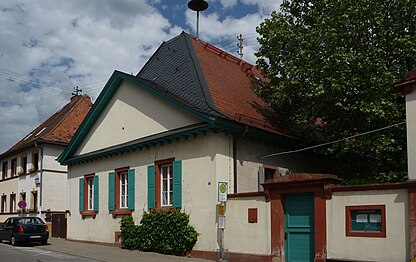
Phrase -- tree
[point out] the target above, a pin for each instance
(331, 65)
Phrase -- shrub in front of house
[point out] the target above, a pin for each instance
(162, 232)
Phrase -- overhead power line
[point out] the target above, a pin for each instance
(333, 142)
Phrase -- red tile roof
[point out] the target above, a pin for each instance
(60, 127)
(229, 82)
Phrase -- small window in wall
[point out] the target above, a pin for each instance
(34, 201)
(123, 181)
(35, 161)
(23, 196)
(121, 191)
(366, 221)
(13, 203)
(166, 177)
(4, 170)
(14, 167)
(3, 203)
(24, 165)
(90, 192)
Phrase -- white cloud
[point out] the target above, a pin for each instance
(68, 43)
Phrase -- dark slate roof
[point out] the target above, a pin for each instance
(211, 81)
(58, 128)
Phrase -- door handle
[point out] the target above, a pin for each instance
(285, 235)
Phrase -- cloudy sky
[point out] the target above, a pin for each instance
(49, 46)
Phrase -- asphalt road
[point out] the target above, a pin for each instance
(61, 250)
(30, 253)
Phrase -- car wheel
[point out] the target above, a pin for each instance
(44, 242)
(13, 240)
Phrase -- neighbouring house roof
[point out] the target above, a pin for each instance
(200, 79)
(57, 129)
(211, 81)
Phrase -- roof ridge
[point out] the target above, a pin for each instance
(65, 115)
(201, 79)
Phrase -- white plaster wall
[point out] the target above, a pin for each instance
(50, 153)
(131, 114)
(8, 187)
(411, 134)
(55, 191)
(27, 184)
(248, 163)
(392, 248)
(205, 161)
(243, 237)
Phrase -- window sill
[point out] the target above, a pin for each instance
(121, 212)
(88, 213)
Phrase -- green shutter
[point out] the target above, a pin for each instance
(96, 203)
(81, 195)
(111, 191)
(130, 189)
(177, 184)
(151, 186)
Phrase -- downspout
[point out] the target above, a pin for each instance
(235, 155)
(40, 177)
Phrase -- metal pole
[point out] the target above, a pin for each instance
(197, 25)
(222, 245)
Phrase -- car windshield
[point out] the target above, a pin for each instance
(30, 220)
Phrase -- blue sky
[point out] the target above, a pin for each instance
(49, 46)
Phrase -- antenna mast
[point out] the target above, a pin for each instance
(198, 6)
(240, 46)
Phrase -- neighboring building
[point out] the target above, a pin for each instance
(29, 171)
(189, 120)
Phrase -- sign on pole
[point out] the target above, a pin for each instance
(222, 191)
(221, 222)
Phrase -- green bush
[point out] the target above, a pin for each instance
(163, 232)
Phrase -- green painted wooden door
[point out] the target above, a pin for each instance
(299, 227)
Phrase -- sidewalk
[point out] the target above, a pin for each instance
(107, 253)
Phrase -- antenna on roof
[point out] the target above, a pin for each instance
(77, 91)
(198, 6)
(240, 46)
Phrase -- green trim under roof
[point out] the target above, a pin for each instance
(103, 99)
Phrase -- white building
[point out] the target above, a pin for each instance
(30, 173)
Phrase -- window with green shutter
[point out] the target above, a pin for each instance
(177, 184)
(131, 189)
(111, 191)
(81, 194)
(151, 201)
(96, 188)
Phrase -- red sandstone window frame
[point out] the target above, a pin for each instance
(87, 211)
(3, 204)
(4, 167)
(350, 233)
(120, 210)
(13, 203)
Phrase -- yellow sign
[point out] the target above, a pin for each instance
(221, 209)
(222, 191)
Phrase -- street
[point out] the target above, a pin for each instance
(30, 253)
(63, 250)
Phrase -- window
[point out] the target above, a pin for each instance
(165, 184)
(121, 191)
(23, 196)
(14, 167)
(90, 192)
(166, 176)
(4, 170)
(3, 203)
(24, 165)
(35, 161)
(88, 195)
(34, 201)
(13, 203)
(366, 221)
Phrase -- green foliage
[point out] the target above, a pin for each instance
(163, 232)
(331, 66)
